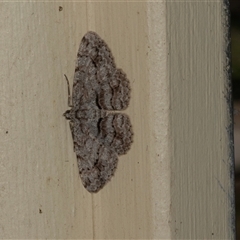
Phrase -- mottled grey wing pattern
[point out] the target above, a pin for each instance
(98, 136)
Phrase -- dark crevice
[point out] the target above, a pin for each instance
(97, 102)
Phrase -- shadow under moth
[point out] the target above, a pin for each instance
(99, 133)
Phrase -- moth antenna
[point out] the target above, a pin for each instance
(69, 93)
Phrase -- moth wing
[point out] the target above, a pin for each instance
(96, 163)
(114, 92)
(85, 79)
(116, 132)
(96, 72)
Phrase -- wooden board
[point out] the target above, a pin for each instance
(202, 193)
(176, 180)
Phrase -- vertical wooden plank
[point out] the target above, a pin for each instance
(159, 103)
(202, 196)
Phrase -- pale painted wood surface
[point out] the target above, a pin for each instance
(202, 194)
(174, 182)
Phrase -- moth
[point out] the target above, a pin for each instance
(100, 132)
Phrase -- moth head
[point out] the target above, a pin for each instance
(67, 114)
